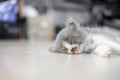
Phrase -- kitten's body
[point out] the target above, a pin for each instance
(102, 44)
(76, 39)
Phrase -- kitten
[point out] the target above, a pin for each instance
(74, 39)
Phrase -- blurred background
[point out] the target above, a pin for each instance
(28, 27)
(43, 19)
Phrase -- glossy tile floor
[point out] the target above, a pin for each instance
(30, 60)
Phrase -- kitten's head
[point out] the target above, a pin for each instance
(72, 34)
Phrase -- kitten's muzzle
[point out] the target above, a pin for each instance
(72, 49)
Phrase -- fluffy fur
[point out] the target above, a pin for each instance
(74, 39)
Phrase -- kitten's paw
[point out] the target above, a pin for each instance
(103, 50)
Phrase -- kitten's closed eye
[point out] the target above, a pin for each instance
(76, 40)
(72, 40)
(68, 40)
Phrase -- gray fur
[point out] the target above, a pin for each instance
(75, 34)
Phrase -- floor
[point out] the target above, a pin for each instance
(30, 60)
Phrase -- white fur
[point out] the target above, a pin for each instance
(69, 47)
(103, 50)
(104, 45)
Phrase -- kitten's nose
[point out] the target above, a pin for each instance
(74, 49)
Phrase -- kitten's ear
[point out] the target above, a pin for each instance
(71, 23)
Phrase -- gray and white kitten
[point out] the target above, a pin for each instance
(74, 39)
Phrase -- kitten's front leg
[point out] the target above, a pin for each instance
(103, 50)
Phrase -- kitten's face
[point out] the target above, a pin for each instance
(70, 36)
(73, 36)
